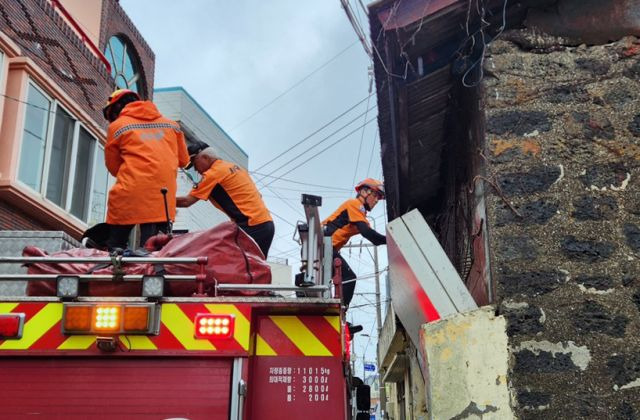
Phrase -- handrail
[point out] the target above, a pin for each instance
(119, 259)
(96, 277)
(269, 287)
(83, 35)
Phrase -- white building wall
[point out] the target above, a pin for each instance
(175, 103)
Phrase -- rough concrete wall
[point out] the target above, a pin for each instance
(563, 139)
(415, 385)
(467, 361)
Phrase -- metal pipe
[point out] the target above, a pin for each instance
(143, 260)
(267, 287)
(96, 277)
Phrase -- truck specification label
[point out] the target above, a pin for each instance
(313, 382)
(301, 385)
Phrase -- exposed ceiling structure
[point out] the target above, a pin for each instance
(425, 53)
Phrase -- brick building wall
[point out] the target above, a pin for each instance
(118, 23)
(52, 44)
(10, 219)
(563, 140)
(46, 38)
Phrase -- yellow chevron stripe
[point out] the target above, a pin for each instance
(5, 308)
(137, 342)
(77, 342)
(263, 348)
(334, 321)
(36, 327)
(242, 325)
(300, 335)
(182, 328)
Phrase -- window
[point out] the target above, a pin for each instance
(61, 148)
(82, 178)
(123, 70)
(99, 190)
(61, 160)
(34, 138)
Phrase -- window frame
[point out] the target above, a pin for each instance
(99, 149)
(46, 164)
(43, 174)
(118, 70)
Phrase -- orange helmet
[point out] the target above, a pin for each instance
(115, 97)
(373, 185)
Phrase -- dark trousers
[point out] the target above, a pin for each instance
(349, 277)
(119, 234)
(262, 234)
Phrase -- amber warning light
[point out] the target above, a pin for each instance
(110, 319)
(214, 326)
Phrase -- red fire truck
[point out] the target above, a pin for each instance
(199, 357)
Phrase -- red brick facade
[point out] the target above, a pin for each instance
(116, 22)
(45, 37)
(54, 46)
(10, 219)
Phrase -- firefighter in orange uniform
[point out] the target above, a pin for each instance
(351, 219)
(143, 152)
(231, 190)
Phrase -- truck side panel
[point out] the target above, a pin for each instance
(101, 388)
(297, 371)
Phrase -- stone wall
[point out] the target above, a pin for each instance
(563, 151)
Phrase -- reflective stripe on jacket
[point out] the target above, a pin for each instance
(143, 152)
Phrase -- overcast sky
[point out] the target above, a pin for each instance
(236, 57)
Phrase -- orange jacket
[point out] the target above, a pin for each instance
(345, 218)
(231, 189)
(143, 152)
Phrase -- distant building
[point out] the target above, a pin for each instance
(59, 60)
(176, 103)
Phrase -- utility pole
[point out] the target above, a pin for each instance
(381, 388)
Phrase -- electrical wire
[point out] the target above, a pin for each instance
(316, 144)
(355, 24)
(324, 150)
(368, 304)
(298, 83)
(373, 146)
(300, 183)
(316, 131)
(50, 111)
(355, 172)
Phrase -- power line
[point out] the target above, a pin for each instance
(317, 144)
(282, 218)
(326, 63)
(318, 130)
(325, 149)
(50, 111)
(317, 191)
(300, 183)
(360, 147)
(373, 146)
(356, 26)
(297, 211)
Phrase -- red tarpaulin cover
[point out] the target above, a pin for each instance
(233, 258)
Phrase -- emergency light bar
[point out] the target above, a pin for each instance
(214, 326)
(134, 318)
(11, 326)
